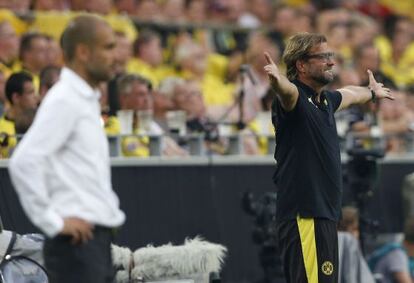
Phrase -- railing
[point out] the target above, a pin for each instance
(194, 143)
(196, 146)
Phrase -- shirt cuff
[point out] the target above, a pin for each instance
(52, 224)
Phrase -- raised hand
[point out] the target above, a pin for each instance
(286, 92)
(271, 69)
(378, 88)
(78, 229)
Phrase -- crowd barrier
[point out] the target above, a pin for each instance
(169, 199)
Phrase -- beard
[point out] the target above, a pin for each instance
(324, 78)
(100, 74)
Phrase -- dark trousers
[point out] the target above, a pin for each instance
(309, 250)
(82, 263)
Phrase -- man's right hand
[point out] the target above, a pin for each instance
(80, 230)
(271, 69)
(286, 91)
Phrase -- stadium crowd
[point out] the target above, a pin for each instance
(203, 59)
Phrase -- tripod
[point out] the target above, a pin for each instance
(362, 174)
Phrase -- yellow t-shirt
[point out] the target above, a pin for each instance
(296, 3)
(121, 23)
(19, 25)
(132, 146)
(155, 75)
(401, 72)
(216, 92)
(262, 140)
(53, 23)
(111, 125)
(6, 70)
(8, 139)
(400, 7)
(217, 65)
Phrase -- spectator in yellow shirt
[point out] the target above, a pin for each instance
(123, 52)
(192, 60)
(9, 48)
(33, 55)
(397, 51)
(147, 58)
(134, 93)
(2, 93)
(20, 93)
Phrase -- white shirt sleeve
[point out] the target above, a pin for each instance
(51, 128)
(397, 261)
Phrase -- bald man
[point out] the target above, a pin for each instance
(61, 168)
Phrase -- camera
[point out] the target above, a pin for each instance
(263, 209)
(362, 167)
(363, 145)
(362, 176)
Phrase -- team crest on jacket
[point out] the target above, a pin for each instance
(327, 268)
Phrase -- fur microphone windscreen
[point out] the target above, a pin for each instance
(195, 257)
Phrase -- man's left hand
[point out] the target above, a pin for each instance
(378, 88)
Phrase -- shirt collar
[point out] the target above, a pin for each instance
(79, 84)
(310, 92)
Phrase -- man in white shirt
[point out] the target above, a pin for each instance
(61, 168)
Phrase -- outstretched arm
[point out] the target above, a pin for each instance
(287, 93)
(359, 95)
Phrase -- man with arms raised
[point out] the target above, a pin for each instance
(308, 174)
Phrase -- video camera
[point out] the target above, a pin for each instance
(362, 172)
(363, 145)
(263, 208)
(362, 167)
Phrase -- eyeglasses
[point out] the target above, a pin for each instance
(326, 56)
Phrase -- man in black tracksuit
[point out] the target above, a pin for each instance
(308, 175)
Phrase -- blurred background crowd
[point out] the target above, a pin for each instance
(195, 67)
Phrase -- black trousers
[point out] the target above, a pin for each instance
(82, 263)
(309, 250)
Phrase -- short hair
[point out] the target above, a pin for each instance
(145, 36)
(167, 86)
(297, 48)
(360, 49)
(350, 217)
(15, 84)
(124, 82)
(26, 42)
(81, 30)
(390, 24)
(46, 76)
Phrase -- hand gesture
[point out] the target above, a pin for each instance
(378, 88)
(271, 69)
(78, 229)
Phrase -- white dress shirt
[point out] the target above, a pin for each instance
(61, 168)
